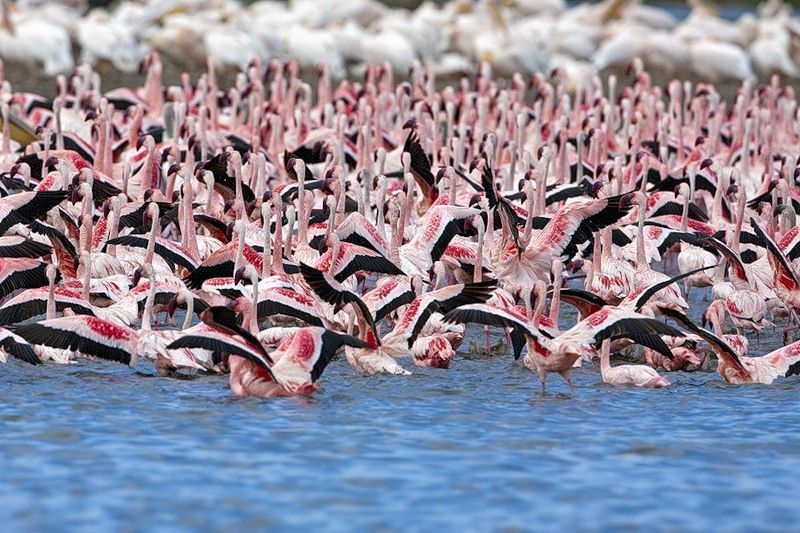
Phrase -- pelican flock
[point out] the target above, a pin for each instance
(512, 35)
(296, 221)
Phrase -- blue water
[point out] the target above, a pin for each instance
(100, 446)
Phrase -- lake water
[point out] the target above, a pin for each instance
(101, 446)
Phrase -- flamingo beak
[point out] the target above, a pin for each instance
(410, 123)
(238, 276)
(172, 306)
(577, 265)
(137, 276)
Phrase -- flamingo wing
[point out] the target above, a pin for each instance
(333, 293)
(638, 299)
(33, 302)
(217, 265)
(21, 247)
(287, 302)
(721, 347)
(357, 229)
(331, 342)
(620, 323)
(357, 258)
(492, 316)
(21, 273)
(441, 301)
(172, 252)
(574, 224)
(733, 258)
(387, 297)
(784, 273)
(440, 224)
(88, 335)
(420, 165)
(24, 207)
(225, 320)
(584, 301)
(212, 339)
(18, 347)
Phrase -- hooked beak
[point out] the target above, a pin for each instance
(172, 306)
(137, 276)
(238, 276)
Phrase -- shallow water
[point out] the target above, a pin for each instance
(100, 446)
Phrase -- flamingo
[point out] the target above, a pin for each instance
(628, 375)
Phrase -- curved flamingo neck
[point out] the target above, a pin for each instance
(605, 361)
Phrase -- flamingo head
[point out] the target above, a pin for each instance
(239, 305)
(151, 214)
(51, 163)
(594, 188)
(410, 124)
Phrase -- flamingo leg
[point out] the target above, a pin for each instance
(567, 375)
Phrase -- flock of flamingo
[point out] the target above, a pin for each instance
(451, 36)
(377, 218)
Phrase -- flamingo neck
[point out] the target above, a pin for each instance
(380, 219)
(302, 218)
(555, 303)
(291, 215)
(477, 274)
(151, 241)
(737, 234)
(253, 318)
(148, 305)
(87, 278)
(277, 245)
(237, 263)
(605, 362)
(685, 214)
(541, 300)
(641, 261)
(588, 268)
(51, 300)
(266, 267)
(187, 320)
